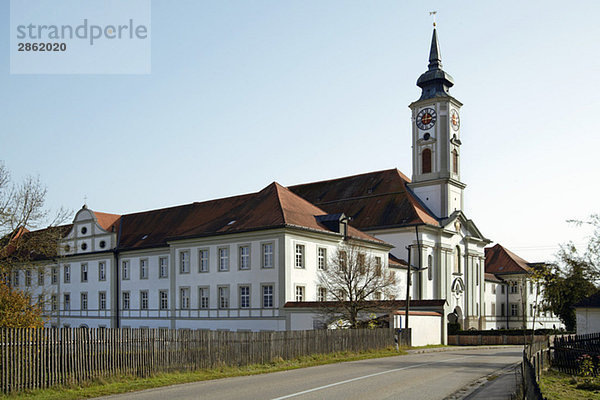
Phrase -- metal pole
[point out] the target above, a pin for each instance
(407, 310)
(419, 264)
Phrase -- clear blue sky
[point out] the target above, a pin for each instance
(243, 93)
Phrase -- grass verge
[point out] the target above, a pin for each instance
(560, 386)
(125, 384)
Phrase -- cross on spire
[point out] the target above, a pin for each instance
(432, 13)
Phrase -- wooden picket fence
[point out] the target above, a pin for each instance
(42, 358)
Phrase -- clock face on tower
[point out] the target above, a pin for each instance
(426, 118)
(454, 119)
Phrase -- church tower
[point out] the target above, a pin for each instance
(436, 139)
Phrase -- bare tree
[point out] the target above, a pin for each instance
(354, 282)
(22, 244)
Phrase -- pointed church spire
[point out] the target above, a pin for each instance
(435, 82)
(435, 59)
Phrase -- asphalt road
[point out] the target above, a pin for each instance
(428, 376)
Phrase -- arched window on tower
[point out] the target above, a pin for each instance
(426, 161)
(457, 266)
(455, 161)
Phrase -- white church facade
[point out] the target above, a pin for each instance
(250, 262)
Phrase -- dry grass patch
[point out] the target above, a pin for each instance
(560, 386)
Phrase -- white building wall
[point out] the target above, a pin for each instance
(588, 320)
(282, 276)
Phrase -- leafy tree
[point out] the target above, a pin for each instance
(352, 281)
(575, 277)
(21, 211)
(16, 310)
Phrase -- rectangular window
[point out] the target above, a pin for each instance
(299, 293)
(360, 261)
(224, 259)
(126, 301)
(16, 278)
(84, 272)
(493, 309)
(102, 300)
(244, 296)
(321, 294)
(164, 299)
(184, 262)
(502, 289)
(203, 297)
(342, 260)
(144, 299)
(67, 301)
(299, 256)
(493, 288)
(514, 287)
(378, 266)
(514, 310)
(321, 258)
(101, 271)
(203, 260)
(84, 301)
(531, 310)
(267, 259)
(54, 302)
(67, 273)
(377, 296)
(125, 270)
(531, 287)
(267, 296)
(223, 296)
(502, 310)
(54, 275)
(40, 278)
(184, 298)
(163, 267)
(244, 253)
(28, 278)
(144, 269)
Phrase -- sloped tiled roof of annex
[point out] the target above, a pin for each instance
(274, 206)
(374, 200)
(499, 260)
(592, 301)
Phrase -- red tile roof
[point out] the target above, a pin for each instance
(396, 262)
(491, 277)
(500, 260)
(274, 206)
(374, 200)
(106, 220)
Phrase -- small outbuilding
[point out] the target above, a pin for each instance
(587, 312)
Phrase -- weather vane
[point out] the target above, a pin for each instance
(433, 13)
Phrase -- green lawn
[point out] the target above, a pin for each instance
(126, 384)
(559, 386)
